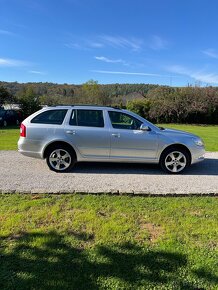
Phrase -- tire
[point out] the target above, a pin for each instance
(60, 158)
(175, 160)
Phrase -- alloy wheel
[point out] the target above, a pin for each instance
(175, 161)
(60, 159)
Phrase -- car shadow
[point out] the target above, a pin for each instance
(208, 167)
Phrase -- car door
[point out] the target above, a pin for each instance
(14, 117)
(9, 117)
(88, 131)
(128, 141)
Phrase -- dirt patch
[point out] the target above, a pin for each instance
(197, 213)
(151, 231)
(37, 196)
(155, 231)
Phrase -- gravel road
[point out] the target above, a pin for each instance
(27, 175)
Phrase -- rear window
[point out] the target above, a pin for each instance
(54, 117)
(87, 118)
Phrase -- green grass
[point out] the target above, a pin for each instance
(208, 133)
(108, 242)
(9, 137)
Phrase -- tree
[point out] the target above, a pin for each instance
(29, 101)
(49, 100)
(91, 92)
(5, 97)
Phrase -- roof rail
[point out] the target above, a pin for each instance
(82, 105)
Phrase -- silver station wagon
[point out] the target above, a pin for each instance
(64, 135)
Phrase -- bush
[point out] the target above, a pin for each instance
(140, 107)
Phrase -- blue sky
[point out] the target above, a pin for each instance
(171, 42)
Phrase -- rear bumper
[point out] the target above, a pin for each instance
(28, 149)
(30, 154)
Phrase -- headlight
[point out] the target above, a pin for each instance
(199, 142)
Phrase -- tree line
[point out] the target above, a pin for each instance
(191, 104)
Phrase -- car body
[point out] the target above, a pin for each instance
(9, 117)
(104, 134)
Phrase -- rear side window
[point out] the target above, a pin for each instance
(87, 118)
(55, 117)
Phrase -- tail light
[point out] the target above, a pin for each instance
(22, 130)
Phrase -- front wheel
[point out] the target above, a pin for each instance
(174, 160)
(60, 159)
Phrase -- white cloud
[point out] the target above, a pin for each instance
(104, 41)
(8, 62)
(130, 73)
(211, 52)
(116, 41)
(74, 45)
(158, 43)
(37, 72)
(109, 60)
(122, 42)
(210, 78)
(6, 32)
(96, 44)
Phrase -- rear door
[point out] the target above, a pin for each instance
(88, 131)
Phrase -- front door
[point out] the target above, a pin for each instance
(128, 141)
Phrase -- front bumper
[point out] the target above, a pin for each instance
(198, 154)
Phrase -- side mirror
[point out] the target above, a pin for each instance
(143, 127)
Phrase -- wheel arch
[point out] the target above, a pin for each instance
(57, 142)
(177, 146)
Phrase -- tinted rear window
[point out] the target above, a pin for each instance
(55, 117)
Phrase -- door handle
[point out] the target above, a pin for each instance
(72, 132)
(117, 135)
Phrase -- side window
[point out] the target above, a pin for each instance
(124, 121)
(55, 117)
(87, 118)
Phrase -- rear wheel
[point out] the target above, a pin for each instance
(60, 158)
(174, 160)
